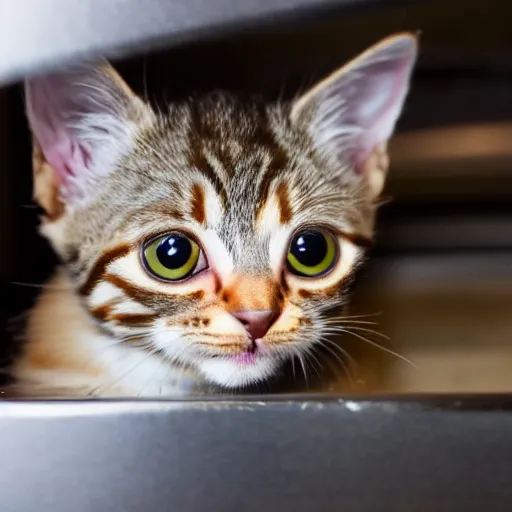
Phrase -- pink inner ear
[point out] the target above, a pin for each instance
(379, 124)
(74, 116)
(49, 114)
(67, 157)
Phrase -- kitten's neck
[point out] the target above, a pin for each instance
(66, 354)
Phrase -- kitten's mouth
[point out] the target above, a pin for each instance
(249, 356)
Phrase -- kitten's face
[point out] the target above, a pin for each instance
(217, 234)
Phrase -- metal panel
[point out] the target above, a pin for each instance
(414, 454)
(36, 34)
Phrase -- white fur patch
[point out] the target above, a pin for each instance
(218, 256)
(232, 374)
(213, 205)
(104, 292)
(278, 249)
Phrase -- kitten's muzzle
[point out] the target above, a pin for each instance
(256, 322)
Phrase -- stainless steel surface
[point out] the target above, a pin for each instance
(35, 35)
(418, 454)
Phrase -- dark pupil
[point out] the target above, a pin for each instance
(309, 248)
(174, 251)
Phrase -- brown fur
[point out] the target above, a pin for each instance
(98, 271)
(198, 206)
(285, 209)
(46, 190)
(241, 296)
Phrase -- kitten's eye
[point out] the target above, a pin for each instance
(173, 257)
(312, 253)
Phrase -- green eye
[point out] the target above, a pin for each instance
(172, 257)
(312, 254)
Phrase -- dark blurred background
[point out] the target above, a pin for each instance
(440, 276)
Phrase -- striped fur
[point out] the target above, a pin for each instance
(239, 177)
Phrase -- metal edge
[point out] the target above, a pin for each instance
(54, 32)
(481, 402)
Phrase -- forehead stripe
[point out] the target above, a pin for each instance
(198, 204)
(279, 160)
(283, 200)
(199, 132)
(198, 161)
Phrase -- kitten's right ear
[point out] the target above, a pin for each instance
(352, 114)
(83, 121)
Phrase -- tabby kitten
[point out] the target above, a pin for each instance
(203, 245)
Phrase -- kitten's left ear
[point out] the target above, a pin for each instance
(353, 112)
(83, 120)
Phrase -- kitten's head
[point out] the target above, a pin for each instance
(217, 233)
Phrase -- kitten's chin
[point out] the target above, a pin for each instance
(237, 372)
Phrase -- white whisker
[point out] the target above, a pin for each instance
(346, 368)
(293, 370)
(377, 345)
(310, 354)
(102, 387)
(356, 328)
(153, 375)
(350, 322)
(40, 286)
(303, 365)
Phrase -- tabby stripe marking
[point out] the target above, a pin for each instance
(325, 292)
(198, 133)
(100, 267)
(133, 291)
(283, 201)
(198, 161)
(146, 297)
(102, 313)
(134, 319)
(279, 161)
(198, 204)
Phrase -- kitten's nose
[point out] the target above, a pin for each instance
(257, 322)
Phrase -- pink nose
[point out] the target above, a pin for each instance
(256, 323)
